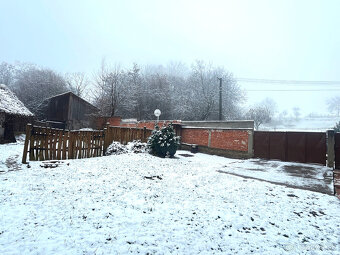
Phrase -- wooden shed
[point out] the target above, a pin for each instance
(68, 111)
(13, 115)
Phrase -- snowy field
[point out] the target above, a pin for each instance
(320, 124)
(137, 203)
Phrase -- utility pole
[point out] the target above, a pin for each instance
(220, 110)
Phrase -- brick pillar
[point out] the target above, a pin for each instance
(251, 143)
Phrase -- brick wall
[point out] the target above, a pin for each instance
(227, 139)
(100, 122)
(195, 136)
(236, 140)
(149, 124)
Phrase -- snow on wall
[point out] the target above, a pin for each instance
(10, 104)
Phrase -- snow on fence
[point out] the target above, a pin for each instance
(44, 143)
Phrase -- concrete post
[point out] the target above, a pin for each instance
(330, 148)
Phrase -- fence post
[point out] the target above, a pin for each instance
(27, 139)
(70, 145)
(106, 137)
(330, 148)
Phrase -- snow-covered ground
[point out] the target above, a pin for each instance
(307, 176)
(138, 203)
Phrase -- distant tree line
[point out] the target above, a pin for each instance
(33, 84)
(178, 91)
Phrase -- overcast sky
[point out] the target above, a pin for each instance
(286, 40)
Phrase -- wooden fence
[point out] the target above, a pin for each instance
(125, 135)
(44, 143)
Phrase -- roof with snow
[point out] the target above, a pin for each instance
(10, 103)
(70, 93)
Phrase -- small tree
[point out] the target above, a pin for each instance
(334, 105)
(296, 112)
(163, 142)
(260, 115)
(337, 127)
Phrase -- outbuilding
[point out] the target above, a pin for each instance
(13, 115)
(68, 111)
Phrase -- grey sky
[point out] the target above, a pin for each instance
(290, 40)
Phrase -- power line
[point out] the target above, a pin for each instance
(298, 90)
(253, 80)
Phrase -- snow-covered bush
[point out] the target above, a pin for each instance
(116, 148)
(137, 146)
(163, 142)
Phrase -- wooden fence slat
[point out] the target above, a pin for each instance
(60, 138)
(70, 145)
(27, 141)
(65, 139)
(88, 144)
(32, 140)
(44, 143)
(38, 151)
(49, 146)
(55, 136)
(102, 144)
(91, 146)
(77, 146)
(84, 150)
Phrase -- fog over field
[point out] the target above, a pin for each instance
(283, 50)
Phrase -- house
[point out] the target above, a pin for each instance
(67, 111)
(13, 115)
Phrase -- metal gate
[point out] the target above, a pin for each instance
(337, 150)
(304, 147)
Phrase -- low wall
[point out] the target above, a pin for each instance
(149, 124)
(226, 142)
(221, 124)
(226, 138)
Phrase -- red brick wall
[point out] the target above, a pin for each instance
(226, 139)
(195, 136)
(101, 121)
(236, 140)
(149, 124)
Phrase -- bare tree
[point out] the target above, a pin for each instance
(157, 92)
(176, 90)
(7, 73)
(109, 92)
(203, 91)
(334, 105)
(78, 83)
(260, 115)
(33, 85)
(296, 112)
